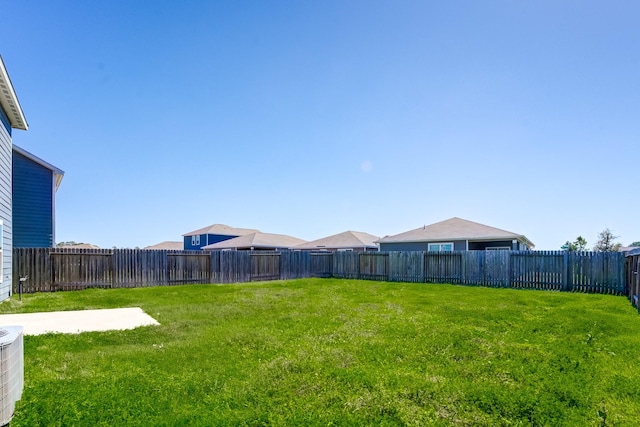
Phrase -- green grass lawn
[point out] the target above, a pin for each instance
(337, 352)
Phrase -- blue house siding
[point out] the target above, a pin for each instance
(33, 204)
(189, 247)
(205, 239)
(5, 211)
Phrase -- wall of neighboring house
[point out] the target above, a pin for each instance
(480, 246)
(33, 204)
(523, 247)
(204, 240)
(358, 249)
(5, 205)
(458, 245)
(327, 250)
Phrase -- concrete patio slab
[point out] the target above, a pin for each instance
(74, 322)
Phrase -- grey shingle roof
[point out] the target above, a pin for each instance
(257, 240)
(345, 240)
(454, 229)
(223, 230)
(173, 246)
(79, 246)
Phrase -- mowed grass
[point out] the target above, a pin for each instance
(337, 352)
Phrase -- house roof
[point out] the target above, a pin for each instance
(454, 229)
(257, 240)
(167, 245)
(345, 240)
(79, 246)
(58, 173)
(628, 248)
(222, 230)
(9, 100)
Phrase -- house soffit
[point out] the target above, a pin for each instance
(9, 101)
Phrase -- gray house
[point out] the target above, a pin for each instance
(455, 234)
(11, 117)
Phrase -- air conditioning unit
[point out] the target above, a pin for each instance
(11, 370)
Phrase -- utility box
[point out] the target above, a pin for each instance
(11, 370)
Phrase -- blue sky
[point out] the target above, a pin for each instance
(310, 118)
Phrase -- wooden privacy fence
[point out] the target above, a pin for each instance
(52, 269)
(596, 272)
(632, 273)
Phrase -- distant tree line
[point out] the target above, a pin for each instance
(69, 243)
(606, 243)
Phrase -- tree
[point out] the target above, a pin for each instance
(606, 242)
(580, 244)
(635, 243)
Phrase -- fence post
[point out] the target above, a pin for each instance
(508, 268)
(52, 287)
(211, 266)
(167, 274)
(636, 259)
(113, 258)
(463, 269)
(565, 272)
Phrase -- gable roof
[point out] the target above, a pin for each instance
(167, 245)
(78, 246)
(257, 240)
(9, 100)
(455, 229)
(222, 230)
(628, 248)
(58, 173)
(344, 240)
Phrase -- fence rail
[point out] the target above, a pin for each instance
(52, 269)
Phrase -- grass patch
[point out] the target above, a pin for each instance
(337, 352)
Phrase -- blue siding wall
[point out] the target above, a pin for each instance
(5, 211)
(189, 247)
(205, 239)
(215, 238)
(33, 204)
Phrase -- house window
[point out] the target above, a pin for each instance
(195, 240)
(499, 248)
(440, 247)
